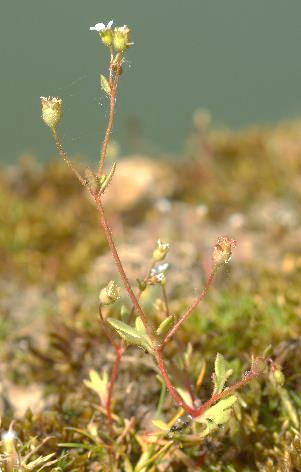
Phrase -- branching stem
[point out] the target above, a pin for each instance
(189, 310)
(126, 283)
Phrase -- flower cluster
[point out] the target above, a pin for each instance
(117, 37)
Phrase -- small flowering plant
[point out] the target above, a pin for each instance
(134, 326)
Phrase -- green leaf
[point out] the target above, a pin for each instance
(165, 325)
(76, 445)
(161, 425)
(107, 179)
(105, 84)
(139, 325)
(98, 384)
(127, 465)
(130, 334)
(216, 415)
(124, 313)
(221, 374)
(289, 407)
(141, 285)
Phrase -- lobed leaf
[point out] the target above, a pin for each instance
(98, 384)
(216, 415)
(221, 373)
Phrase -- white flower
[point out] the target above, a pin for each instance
(123, 29)
(101, 26)
(8, 436)
(159, 269)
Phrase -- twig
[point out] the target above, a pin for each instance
(65, 157)
(126, 283)
(113, 81)
(188, 311)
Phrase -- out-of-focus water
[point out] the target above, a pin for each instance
(239, 59)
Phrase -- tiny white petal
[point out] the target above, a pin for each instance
(8, 435)
(98, 27)
(109, 24)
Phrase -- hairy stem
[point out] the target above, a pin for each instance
(178, 399)
(113, 80)
(225, 393)
(65, 157)
(165, 300)
(126, 283)
(189, 310)
(107, 330)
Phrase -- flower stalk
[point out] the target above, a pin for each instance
(117, 42)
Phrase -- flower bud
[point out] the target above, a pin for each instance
(161, 250)
(121, 38)
(109, 294)
(105, 32)
(107, 37)
(279, 377)
(51, 111)
(222, 251)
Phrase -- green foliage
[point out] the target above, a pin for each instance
(221, 374)
(98, 384)
(105, 84)
(216, 415)
(131, 335)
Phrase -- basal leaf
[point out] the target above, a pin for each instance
(99, 384)
(216, 415)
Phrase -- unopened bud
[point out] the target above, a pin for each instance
(222, 251)
(121, 38)
(109, 294)
(279, 377)
(51, 111)
(161, 250)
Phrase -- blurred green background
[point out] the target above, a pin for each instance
(239, 59)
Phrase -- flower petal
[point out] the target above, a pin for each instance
(98, 27)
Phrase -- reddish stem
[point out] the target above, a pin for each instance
(113, 85)
(189, 310)
(225, 393)
(178, 399)
(126, 283)
(65, 157)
